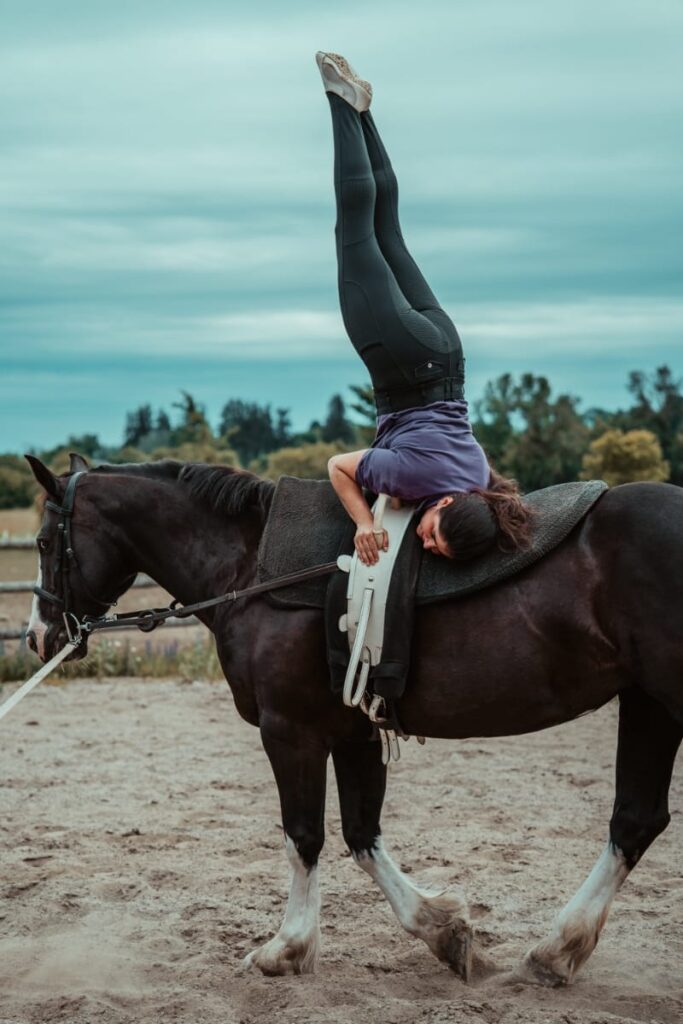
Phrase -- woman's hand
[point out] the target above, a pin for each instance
(369, 543)
(342, 469)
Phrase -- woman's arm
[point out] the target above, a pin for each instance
(342, 470)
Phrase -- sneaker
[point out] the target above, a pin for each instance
(339, 77)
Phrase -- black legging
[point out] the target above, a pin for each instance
(408, 343)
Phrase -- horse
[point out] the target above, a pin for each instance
(597, 617)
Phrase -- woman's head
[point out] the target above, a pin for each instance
(464, 526)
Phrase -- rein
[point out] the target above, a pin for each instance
(149, 619)
(145, 619)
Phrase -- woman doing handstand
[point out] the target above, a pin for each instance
(424, 450)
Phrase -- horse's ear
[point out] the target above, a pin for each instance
(77, 463)
(43, 475)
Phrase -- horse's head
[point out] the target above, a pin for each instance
(81, 567)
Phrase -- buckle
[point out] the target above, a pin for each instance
(74, 630)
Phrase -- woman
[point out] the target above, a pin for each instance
(424, 451)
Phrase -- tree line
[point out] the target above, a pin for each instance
(527, 433)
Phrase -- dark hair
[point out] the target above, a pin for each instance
(475, 521)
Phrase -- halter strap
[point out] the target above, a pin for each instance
(66, 558)
(65, 551)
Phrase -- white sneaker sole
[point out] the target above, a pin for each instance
(339, 77)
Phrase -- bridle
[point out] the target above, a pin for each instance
(66, 563)
(148, 619)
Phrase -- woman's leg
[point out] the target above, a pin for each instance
(401, 347)
(387, 226)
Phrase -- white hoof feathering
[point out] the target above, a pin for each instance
(556, 960)
(440, 921)
(295, 948)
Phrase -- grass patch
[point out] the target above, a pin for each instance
(110, 658)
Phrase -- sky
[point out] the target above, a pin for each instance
(167, 212)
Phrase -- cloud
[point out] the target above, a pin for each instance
(166, 179)
(506, 334)
(580, 330)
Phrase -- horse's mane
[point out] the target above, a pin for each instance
(223, 488)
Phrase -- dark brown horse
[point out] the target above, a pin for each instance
(599, 616)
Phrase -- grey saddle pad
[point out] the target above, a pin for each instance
(307, 525)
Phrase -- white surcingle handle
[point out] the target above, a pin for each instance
(378, 517)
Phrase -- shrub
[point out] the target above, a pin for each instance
(309, 461)
(620, 457)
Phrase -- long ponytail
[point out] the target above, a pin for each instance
(477, 520)
(514, 518)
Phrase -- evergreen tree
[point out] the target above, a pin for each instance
(248, 428)
(659, 409)
(550, 447)
(194, 427)
(336, 427)
(493, 416)
(163, 423)
(160, 436)
(138, 424)
(85, 444)
(365, 404)
(550, 439)
(283, 428)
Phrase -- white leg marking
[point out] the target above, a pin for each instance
(441, 921)
(295, 948)
(578, 926)
(405, 898)
(35, 623)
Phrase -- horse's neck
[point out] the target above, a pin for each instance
(190, 550)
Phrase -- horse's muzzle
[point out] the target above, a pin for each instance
(55, 638)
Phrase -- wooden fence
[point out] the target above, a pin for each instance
(26, 587)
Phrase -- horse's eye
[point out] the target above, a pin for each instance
(42, 544)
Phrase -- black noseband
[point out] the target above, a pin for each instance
(45, 595)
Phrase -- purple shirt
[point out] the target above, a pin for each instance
(422, 454)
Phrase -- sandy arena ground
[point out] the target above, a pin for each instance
(143, 858)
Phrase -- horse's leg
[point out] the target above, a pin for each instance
(440, 921)
(649, 738)
(299, 765)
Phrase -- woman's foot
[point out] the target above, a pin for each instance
(339, 77)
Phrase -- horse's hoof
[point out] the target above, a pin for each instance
(461, 953)
(441, 922)
(536, 969)
(284, 956)
(454, 946)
